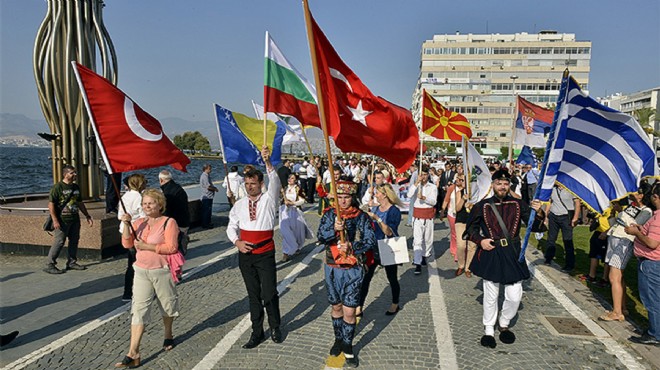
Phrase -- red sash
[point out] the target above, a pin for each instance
(424, 213)
(263, 239)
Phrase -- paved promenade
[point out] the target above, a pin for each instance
(77, 320)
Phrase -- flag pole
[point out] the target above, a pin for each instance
(309, 147)
(468, 170)
(324, 125)
(548, 147)
(513, 118)
(222, 149)
(99, 143)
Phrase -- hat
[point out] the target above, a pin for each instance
(305, 163)
(501, 175)
(346, 187)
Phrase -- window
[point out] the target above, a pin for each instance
(502, 134)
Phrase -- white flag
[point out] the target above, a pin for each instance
(293, 128)
(478, 176)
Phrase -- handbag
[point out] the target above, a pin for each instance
(48, 225)
(393, 251)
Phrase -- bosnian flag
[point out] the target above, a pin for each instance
(286, 91)
(241, 137)
(129, 138)
(532, 124)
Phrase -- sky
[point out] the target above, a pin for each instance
(177, 58)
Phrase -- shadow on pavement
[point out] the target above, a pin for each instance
(87, 288)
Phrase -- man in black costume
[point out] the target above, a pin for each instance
(494, 225)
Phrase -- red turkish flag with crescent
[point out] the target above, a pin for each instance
(358, 120)
(129, 138)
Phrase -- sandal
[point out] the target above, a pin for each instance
(611, 316)
(128, 362)
(168, 344)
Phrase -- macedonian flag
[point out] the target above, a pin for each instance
(442, 123)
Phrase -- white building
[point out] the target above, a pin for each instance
(478, 76)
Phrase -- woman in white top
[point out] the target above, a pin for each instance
(132, 200)
(293, 227)
(620, 249)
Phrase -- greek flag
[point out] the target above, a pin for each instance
(598, 153)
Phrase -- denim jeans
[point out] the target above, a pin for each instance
(70, 231)
(207, 208)
(648, 281)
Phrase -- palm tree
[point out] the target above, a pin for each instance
(643, 116)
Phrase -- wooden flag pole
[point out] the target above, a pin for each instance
(309, 147)
(324, 125)
(121, 202)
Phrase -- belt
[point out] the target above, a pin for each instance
(260, 244)
(505, 243)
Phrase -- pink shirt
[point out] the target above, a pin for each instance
(165, 240)
(651, 229)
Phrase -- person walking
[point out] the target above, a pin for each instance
(177, 205)
(156, 241)
(423, 195)
(293, 228)
(564, 214)
(208, 192)
(386, 217)
(250, 229)
(494, 226)
(465, 249)
(343, 273)
(132, 205)
(64, 203)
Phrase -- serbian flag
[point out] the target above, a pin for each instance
(358, 120)
(286, 91)
(532, 124)
(129, 138)
(442, 123)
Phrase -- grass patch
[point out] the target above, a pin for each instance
(581, 236)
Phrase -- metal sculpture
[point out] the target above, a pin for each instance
(72, 30)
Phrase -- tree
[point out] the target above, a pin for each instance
(643, 116)
(192, 141)
(504, 152)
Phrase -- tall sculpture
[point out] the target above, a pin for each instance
(72, 30)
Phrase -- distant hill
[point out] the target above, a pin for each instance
(12, 125)
(20, 125)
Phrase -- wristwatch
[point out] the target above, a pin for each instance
(379, 220)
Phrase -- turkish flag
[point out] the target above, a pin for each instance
(129, 138)
(358, 120)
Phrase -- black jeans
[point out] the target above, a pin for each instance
(392, 278)
(130, 274)
(260, 278)
(563, 223)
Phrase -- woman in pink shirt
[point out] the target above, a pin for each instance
(156, 239)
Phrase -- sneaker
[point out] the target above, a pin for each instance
(645, 339)
(51, 269)
(75, 266)
(418, 269)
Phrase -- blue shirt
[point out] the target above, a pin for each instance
(392, 218)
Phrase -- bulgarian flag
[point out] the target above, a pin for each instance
(286, 91)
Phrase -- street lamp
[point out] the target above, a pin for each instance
(513, 115)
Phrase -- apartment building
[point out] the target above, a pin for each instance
(479, 76)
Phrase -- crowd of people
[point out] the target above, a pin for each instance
(484, 238)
